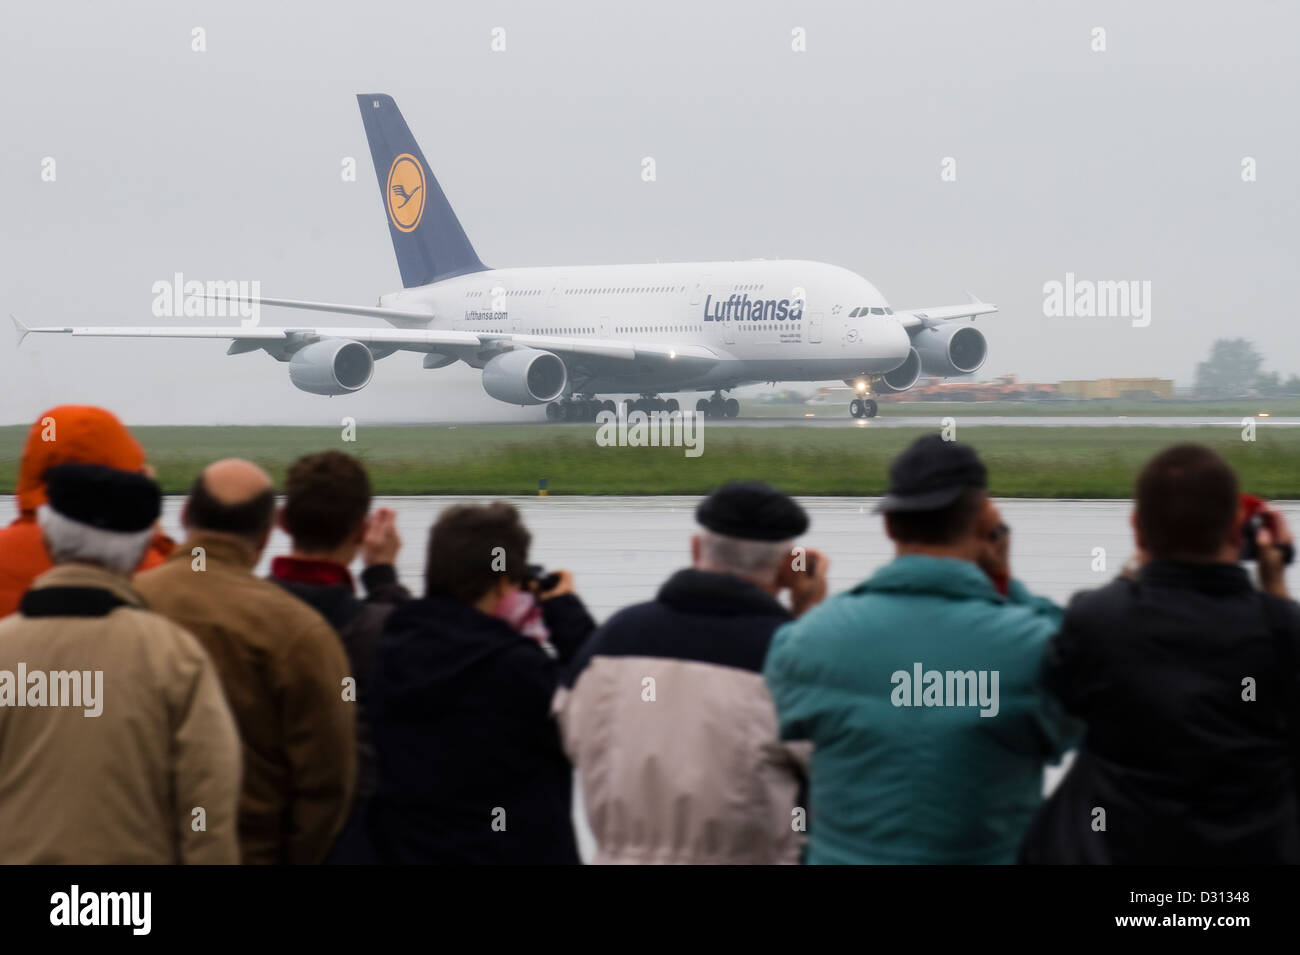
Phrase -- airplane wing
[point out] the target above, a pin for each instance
(458, 343)
(912, 318)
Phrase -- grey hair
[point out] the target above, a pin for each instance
(70, 541)
(753, 560)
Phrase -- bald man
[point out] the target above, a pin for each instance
(282, 667)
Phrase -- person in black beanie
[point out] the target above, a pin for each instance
(665, 713)
(122, 728)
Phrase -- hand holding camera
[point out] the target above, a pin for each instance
(1267, 541)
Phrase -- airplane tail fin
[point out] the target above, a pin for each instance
(427, 237)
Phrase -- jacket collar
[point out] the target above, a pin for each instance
(218, 548)
(701, 591)
(89, 577)
(1209, 578)
(306, 570)
(922, 574)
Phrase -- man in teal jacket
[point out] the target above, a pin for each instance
(919, 688)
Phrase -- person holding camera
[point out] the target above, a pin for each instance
(919, 688)
(1186, 677)
(470, 765)
(665, 713)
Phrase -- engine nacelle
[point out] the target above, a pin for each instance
(331, 367)
(950, 349)
(903, 377)
(525, 376)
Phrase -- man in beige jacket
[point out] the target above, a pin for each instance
(116, 744)
(281, 664)
(665, 714)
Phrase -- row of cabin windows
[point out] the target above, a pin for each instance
(563, 331)
(864, 310)
(622, 291)
(624, 329)
(752, 287)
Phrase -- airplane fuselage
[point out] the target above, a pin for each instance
(766, 320)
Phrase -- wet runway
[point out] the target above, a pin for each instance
(835, 418)
(621, 549)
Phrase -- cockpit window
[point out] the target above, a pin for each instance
(888, 310)
(877, 311)
(855, 313)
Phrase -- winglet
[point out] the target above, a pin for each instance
(21, 329)
(974, 299)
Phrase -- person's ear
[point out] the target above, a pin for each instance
(1137, 529)
(1237, 535)
(279, 520)
(987, 519)
(695, 550)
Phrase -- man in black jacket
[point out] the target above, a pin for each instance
(327, 514)
(1186, 678)
(470, 764)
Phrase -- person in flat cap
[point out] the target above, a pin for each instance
(919, 688)
(114, 722)
(664, 712)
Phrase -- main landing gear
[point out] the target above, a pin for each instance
(651, 403)
(578, 408)
(718, 407)
(586, 407)
(863, 407)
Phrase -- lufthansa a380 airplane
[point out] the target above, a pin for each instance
(560, 336)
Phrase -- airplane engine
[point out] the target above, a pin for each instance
(951, 349)
(902, 377)
(525, 376)
(331, 367)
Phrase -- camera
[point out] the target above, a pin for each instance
(1256, 521)
(537, 578)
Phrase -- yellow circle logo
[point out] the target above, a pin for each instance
(405, 192)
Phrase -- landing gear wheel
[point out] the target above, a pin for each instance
(731, 407)
(608, 405)
(856, 409)
(672, 406)
(554, 411)
(869, 407)
(702, 407)
(717, 407)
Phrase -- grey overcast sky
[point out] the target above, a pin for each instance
(225, 164)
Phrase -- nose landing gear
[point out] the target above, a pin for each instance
(863, 407)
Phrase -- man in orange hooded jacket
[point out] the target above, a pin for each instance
(68, 434)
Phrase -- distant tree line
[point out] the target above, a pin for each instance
(1234, 370)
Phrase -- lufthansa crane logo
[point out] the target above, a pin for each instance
(405, 192)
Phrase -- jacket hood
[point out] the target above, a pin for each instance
(433, 643)
(920, 574)
(73, 434)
